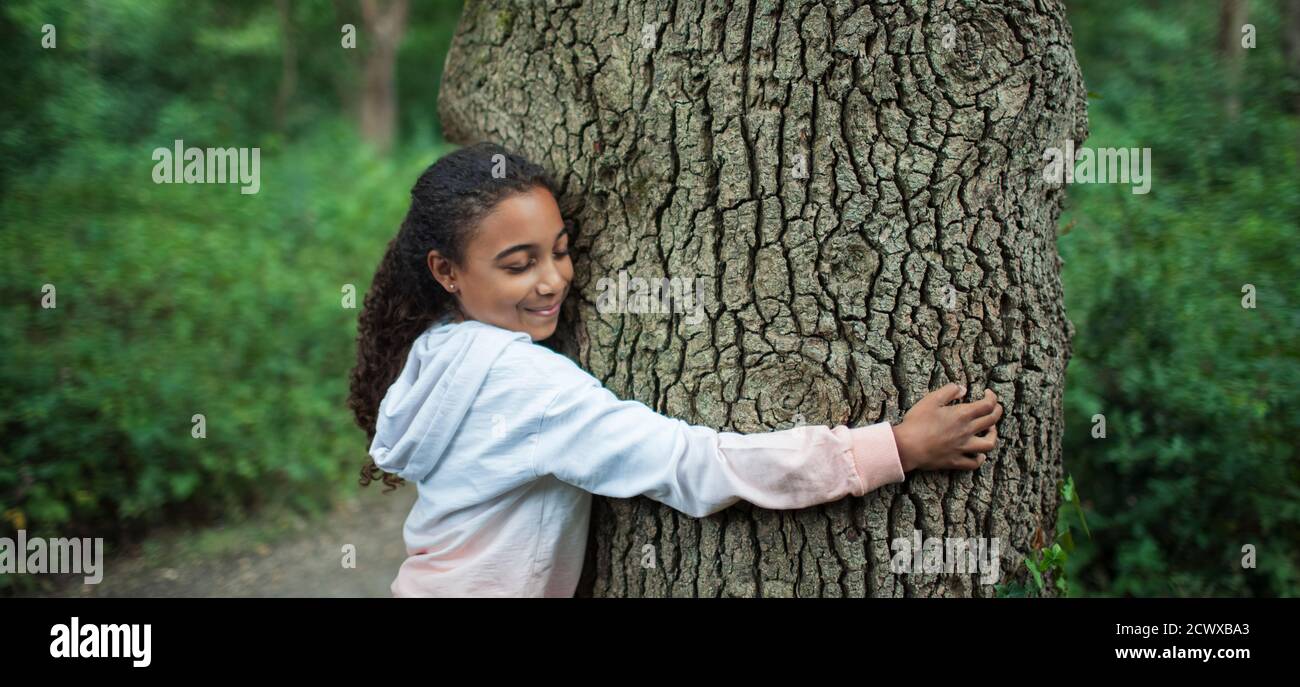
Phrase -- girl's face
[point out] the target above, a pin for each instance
(517, 270)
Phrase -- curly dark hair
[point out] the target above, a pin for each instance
(448, 201)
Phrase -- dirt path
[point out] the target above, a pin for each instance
(272, 556)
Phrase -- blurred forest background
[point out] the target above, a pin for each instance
(180, 299)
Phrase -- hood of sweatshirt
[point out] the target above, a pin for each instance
(424, 407)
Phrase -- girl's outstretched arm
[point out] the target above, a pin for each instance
(618, 448)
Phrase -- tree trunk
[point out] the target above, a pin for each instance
(288, 88)
(385, 22)
(1291, 50)
(861, 190)
(1232, 17)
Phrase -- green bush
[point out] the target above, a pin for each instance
(176, 300)
(1198, 393)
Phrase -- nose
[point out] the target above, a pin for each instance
(552, 281)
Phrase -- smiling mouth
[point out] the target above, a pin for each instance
(546, 312)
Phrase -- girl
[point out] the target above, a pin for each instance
(506, 440)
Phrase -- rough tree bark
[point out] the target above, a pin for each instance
(919, 248)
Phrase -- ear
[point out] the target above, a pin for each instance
(444, 271)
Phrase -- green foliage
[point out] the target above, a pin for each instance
(1049, 565)
(183, 299)
(174, 300)
(1198, 393)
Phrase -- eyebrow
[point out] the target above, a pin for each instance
(526, 246)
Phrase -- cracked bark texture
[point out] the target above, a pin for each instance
(919, 248)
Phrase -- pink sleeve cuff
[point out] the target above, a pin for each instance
(875, 455)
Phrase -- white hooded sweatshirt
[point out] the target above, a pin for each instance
(506, 441)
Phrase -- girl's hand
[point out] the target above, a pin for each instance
(937, 436)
